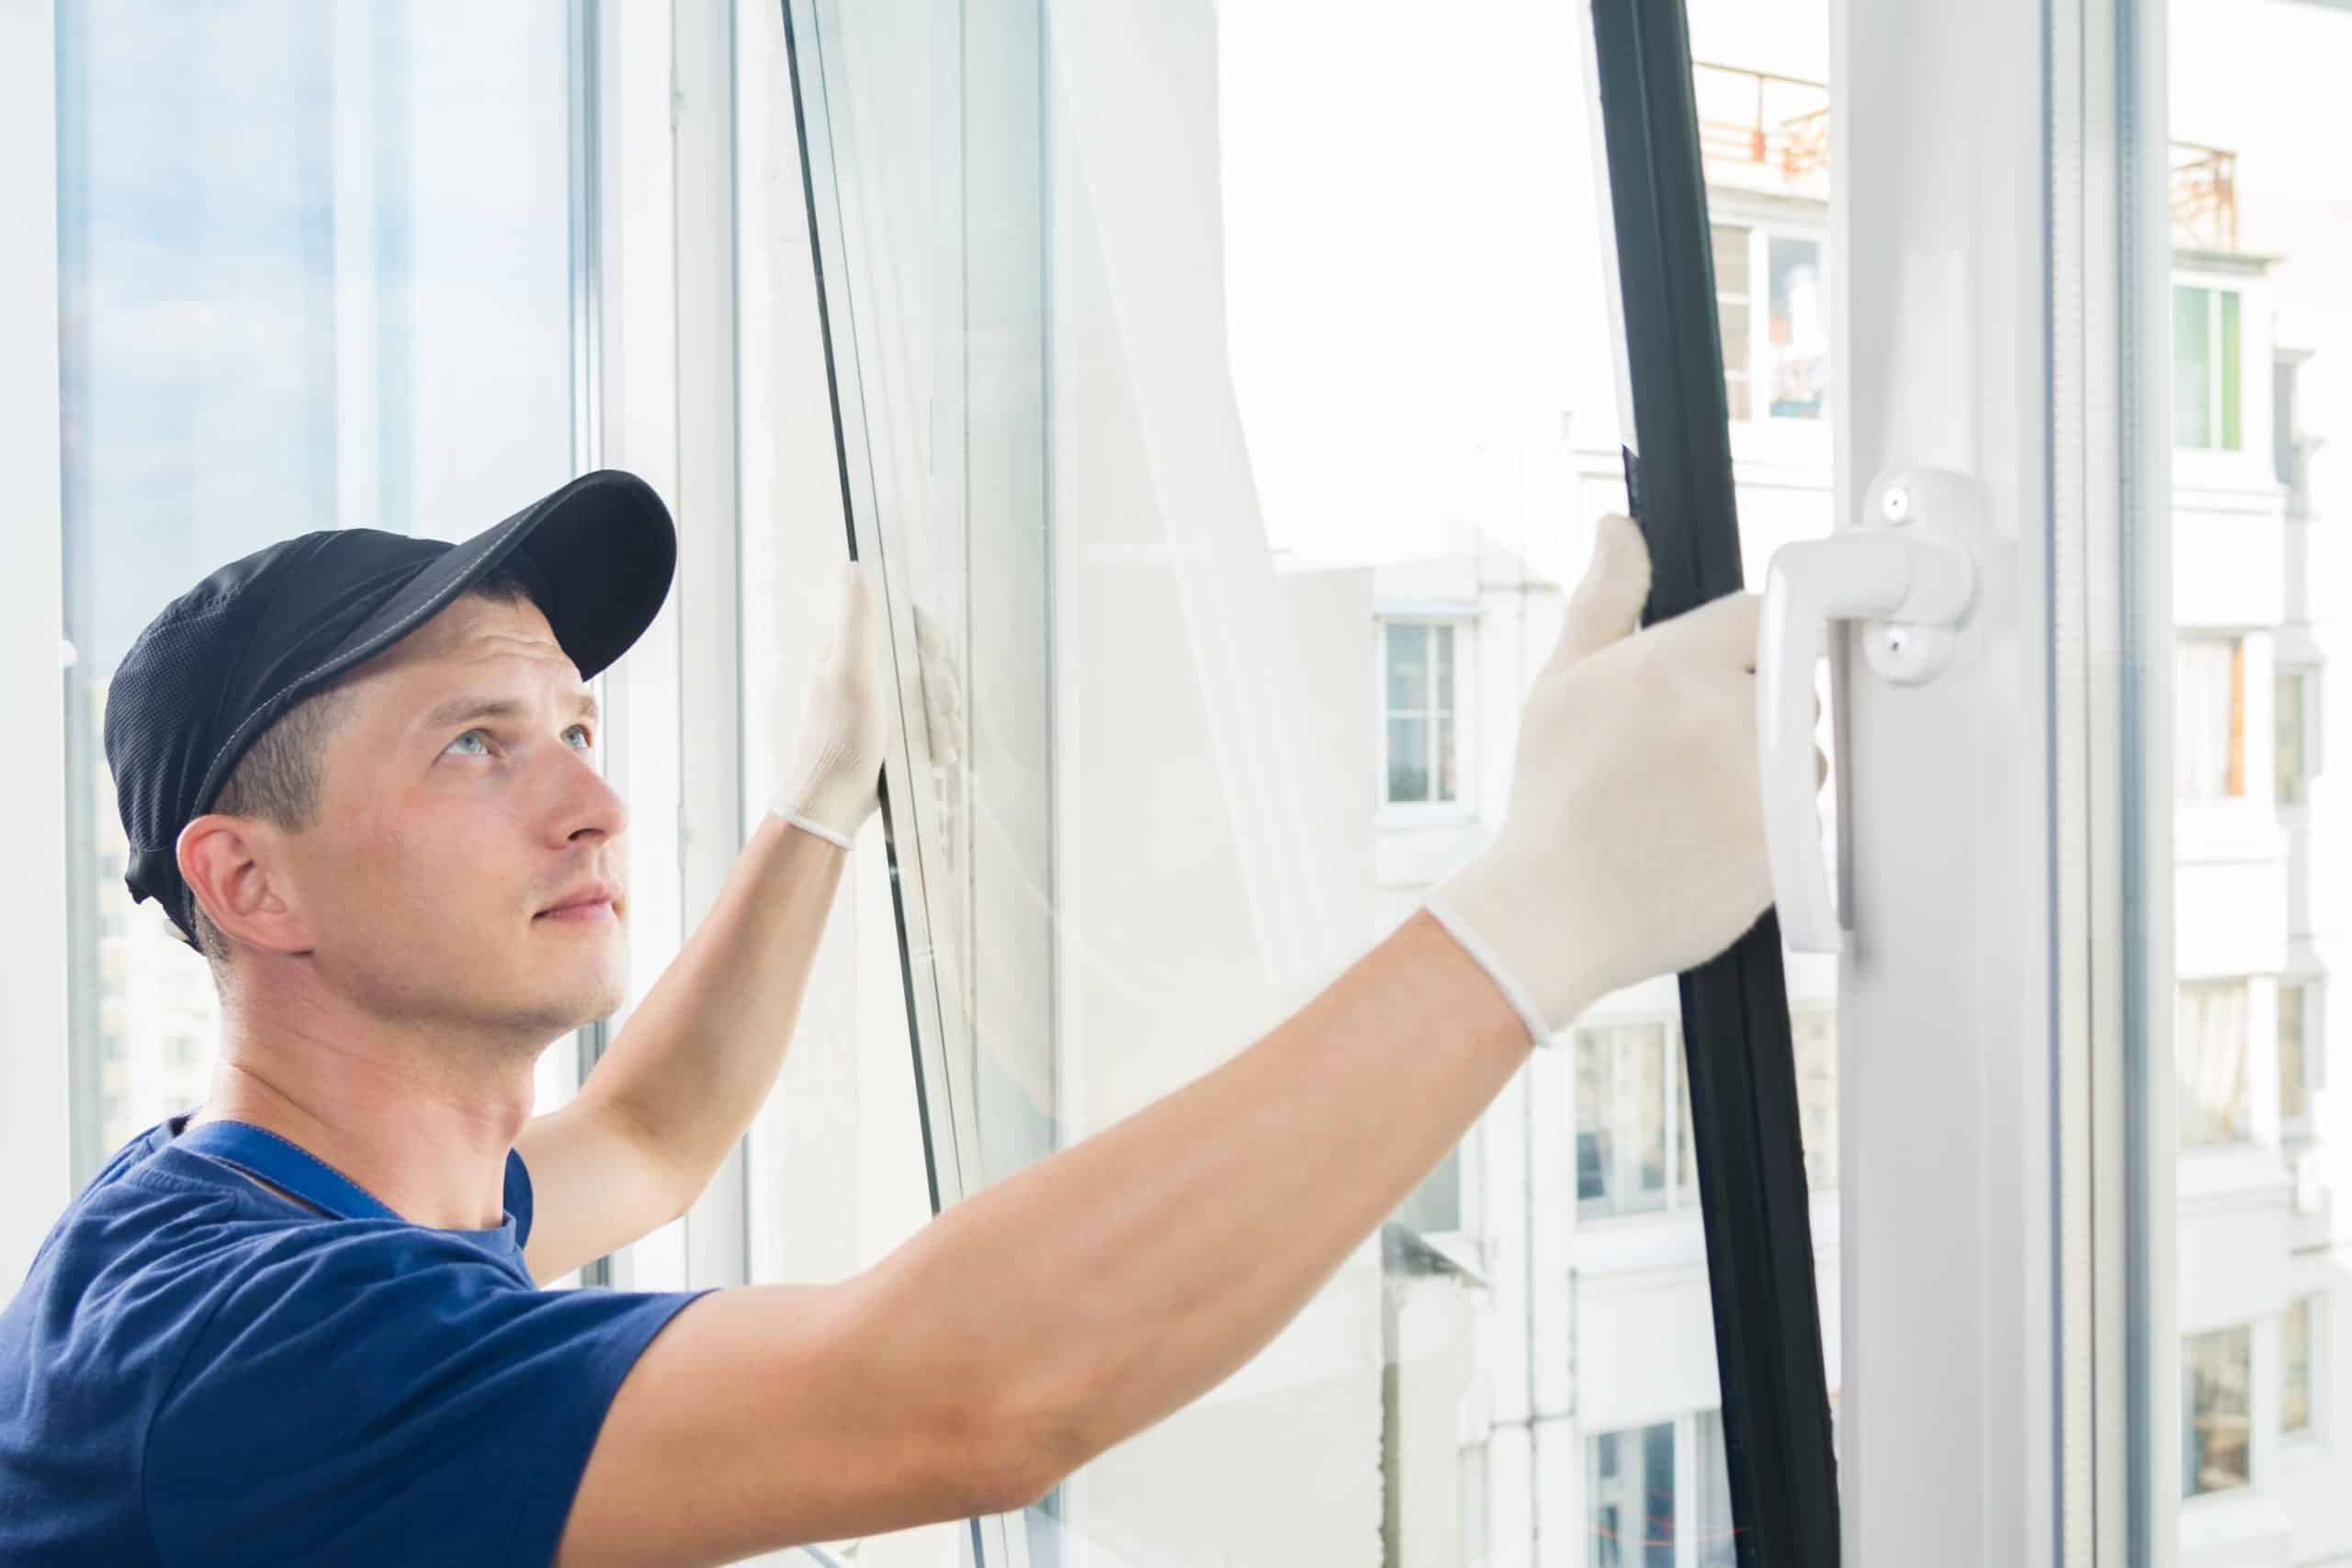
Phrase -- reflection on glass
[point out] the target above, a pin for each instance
(2217, 1377)
(314, 271)
(2210, 1036)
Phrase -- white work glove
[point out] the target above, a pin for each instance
(827, 780)
(1633, 843)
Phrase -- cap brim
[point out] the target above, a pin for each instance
(599, 554)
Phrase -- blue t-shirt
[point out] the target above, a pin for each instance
(198, 1370)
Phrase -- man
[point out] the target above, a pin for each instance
(300, 1325)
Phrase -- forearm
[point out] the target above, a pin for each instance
(701, 1051)
(1108, 1286)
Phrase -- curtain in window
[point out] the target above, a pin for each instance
(2209, 759)
(2211, 1046)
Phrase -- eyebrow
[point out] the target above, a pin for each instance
(467, 709)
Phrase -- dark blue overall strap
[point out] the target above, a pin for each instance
(259, 1152)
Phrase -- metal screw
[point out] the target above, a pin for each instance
(1895, 505)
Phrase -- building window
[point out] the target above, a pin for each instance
(2294, 758)
(1632, 1488)
(2290, 452)
(1732, 305)
(1776, 360)
(2295, 1335)
(1436, 1204)
(2295, 1083)
(1621, 1085)
(2206, 369)
(2209, 761)
(2216, 1379)
(1424, 738)
(1624, 1152)
(2211, 1038)
(1715, 1534)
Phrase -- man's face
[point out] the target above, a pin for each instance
(459, 803)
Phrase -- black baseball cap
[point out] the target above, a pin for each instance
(226, 659)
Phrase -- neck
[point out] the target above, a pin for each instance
(426, 1138)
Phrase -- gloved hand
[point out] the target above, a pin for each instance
(1633, 841)
(829, 776)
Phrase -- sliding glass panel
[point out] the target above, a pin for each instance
(1241, 517)
(315, 268)
(2260, 592)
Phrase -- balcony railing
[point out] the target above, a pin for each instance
(1759, 130)
(1762, 130)
(2204, 196)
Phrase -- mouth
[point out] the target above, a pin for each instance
(592, 906)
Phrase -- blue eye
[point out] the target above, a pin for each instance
(586, 740)
(470, 735)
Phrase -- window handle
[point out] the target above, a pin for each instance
(1905, 573)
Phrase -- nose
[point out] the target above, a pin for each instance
(587, 807)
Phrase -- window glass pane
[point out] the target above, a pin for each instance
(1633, 1497)
(1217, 543)
(2192, 403)
(1732, 306)
(1408, 667)
(1408, 758)
(2261, 250)
(2210, 1039)
(314, 271)
(2217, 1377)
(2233, 377)
(1645, 1114)
(2295, 1366)
(2209, 718)
(1717, 1536)
(1595, 1086)
(1799, 329)
(1815, 1029)
(1686, 1152)
(2291, 699)
(1436, 1204)
(2294, 1078)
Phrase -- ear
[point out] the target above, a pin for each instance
(233, 865)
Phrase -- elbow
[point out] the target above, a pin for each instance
(1022, 1445)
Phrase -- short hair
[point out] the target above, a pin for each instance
(277, 779)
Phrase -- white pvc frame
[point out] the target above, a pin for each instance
(36, 1123)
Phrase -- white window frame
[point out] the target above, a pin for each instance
(36, 1121)
(1463, 807)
